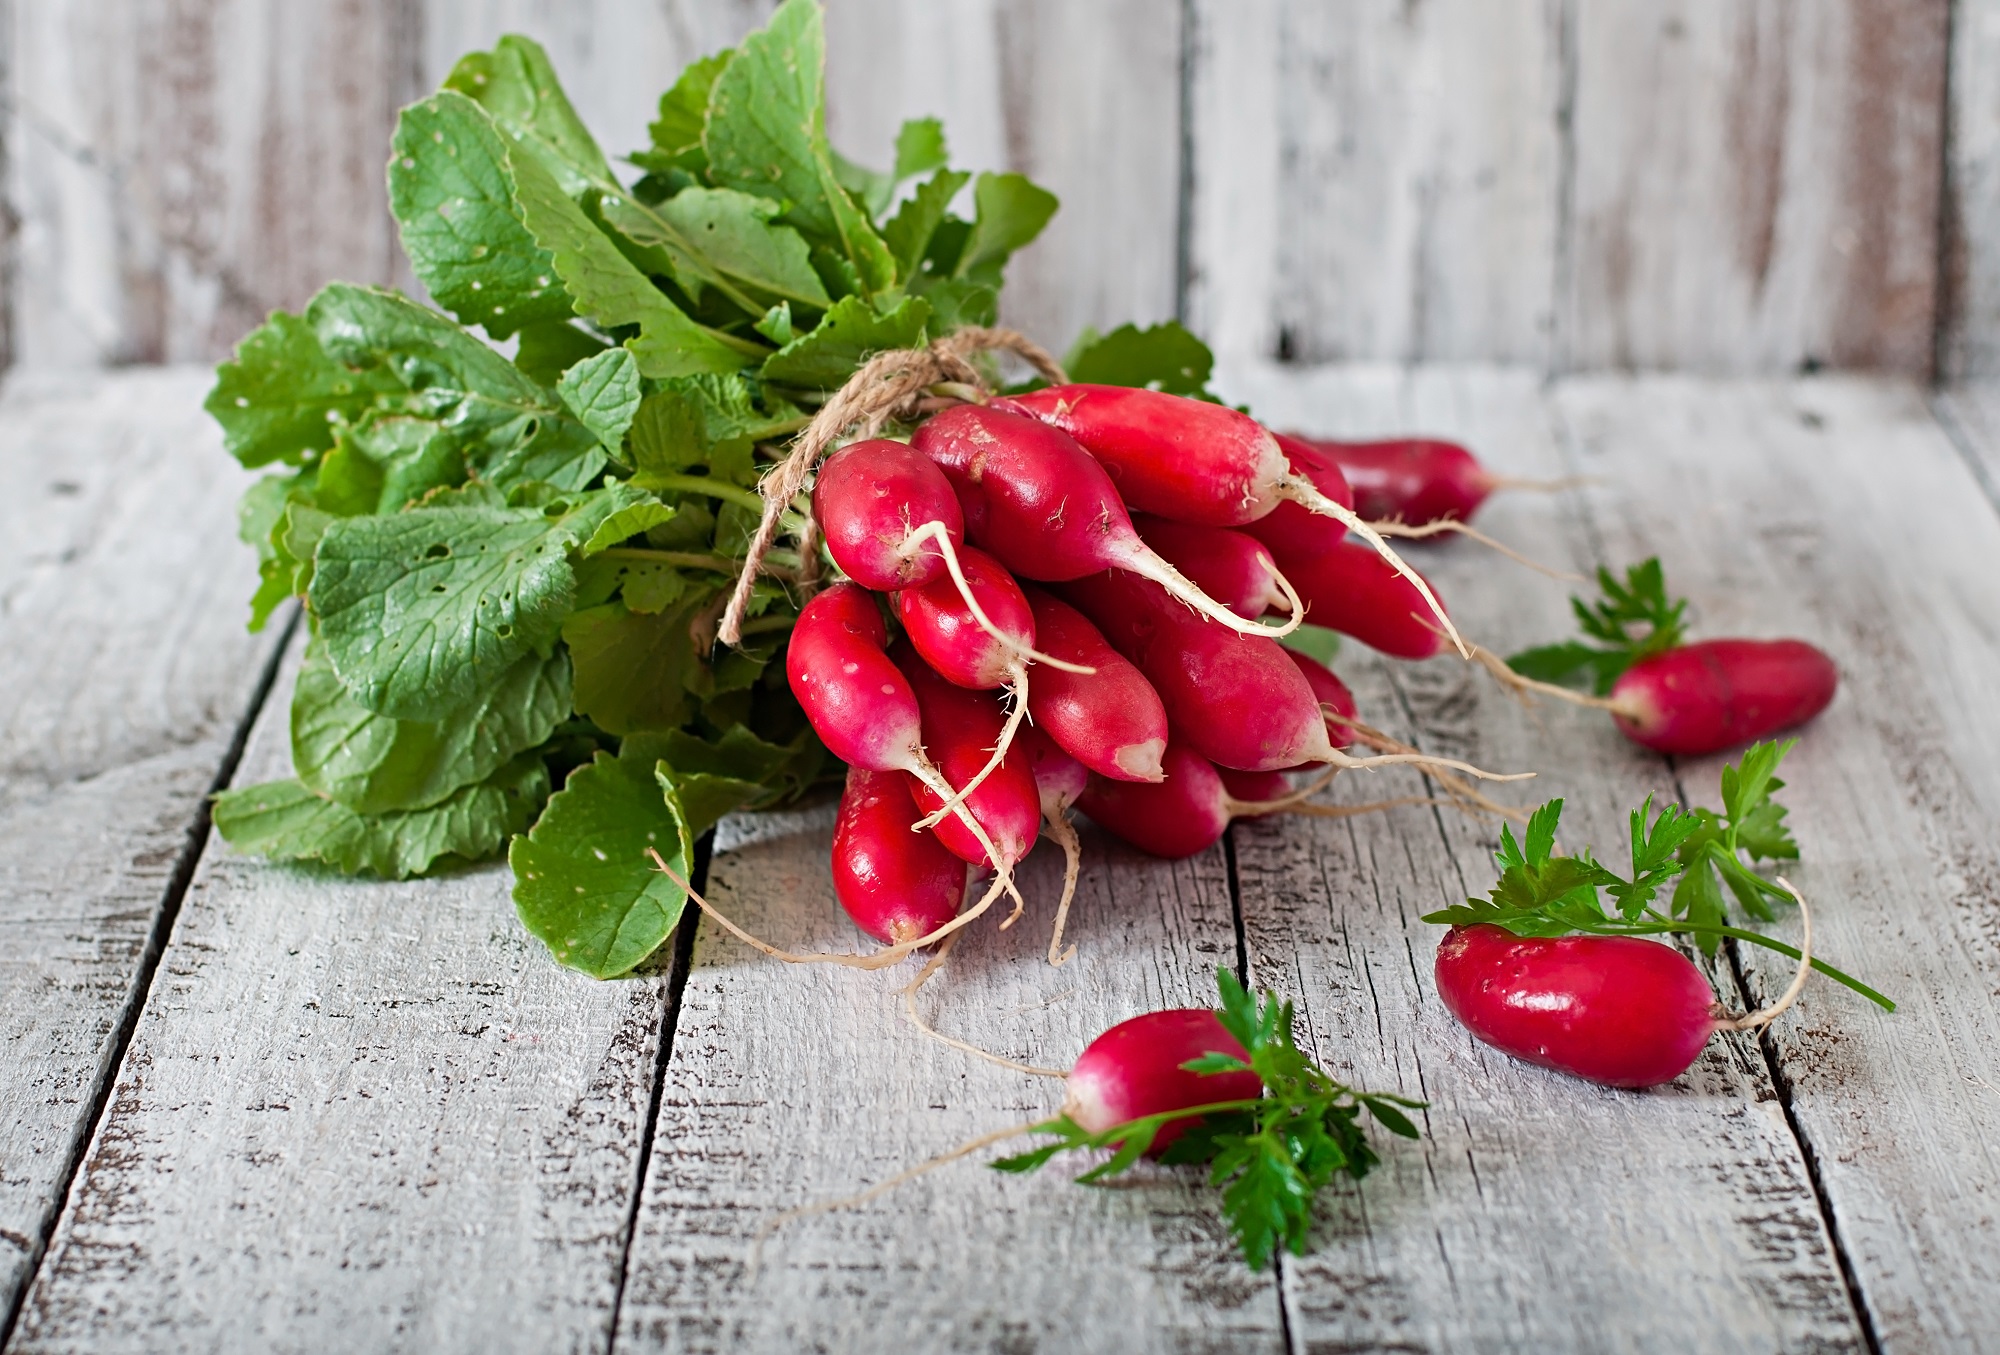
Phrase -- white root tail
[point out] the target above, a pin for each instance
(935, 531)
(1302, 491)
(1064, 833)
(1466, 796)
(1525, 689)
(1427, 760)
(1757, 1020)
(1156, 567)
(1017, 684)
(1396, 527)
(910, 991)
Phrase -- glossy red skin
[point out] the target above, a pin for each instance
(1234, 699)
(1619, 1010)
(1418, 480)
(1716, 694)
(1178, 817)
(1031, 495)
(897, 885)
(1230, 566)
(1332, 693)
(960, 730)
(1060, 779)
(1293, 527)
(1184, 459)
(1134, 1069)
(858, 702)
(1351, 589)
(868, 497)
(1112, 721)
(941, 626)
(1253, 788)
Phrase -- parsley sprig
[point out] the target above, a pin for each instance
(1631, 620)
(1543, 893)
(1271, 1155)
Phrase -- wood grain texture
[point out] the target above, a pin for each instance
(794, 1084)
(1836, 511)
(1970, 416)
(1969, 282)
(1082, 98)
(1756, 185)
(126, 672)
(1539, 1212)
(356, 1116)
(183, 168)
(1376, 181)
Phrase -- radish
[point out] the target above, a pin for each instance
(1139, 1068)
(1336, 703)
(1059, 781)
(1233, 698)
(1047, 508)
(960, 729)
(1110, 720)
(1254, 791)
(1231, 567)
(895, 884)
(1292, 527)
(1195, 462)
(1418, 480)
(1681, 699)
(1716, 694)
(1351, 589)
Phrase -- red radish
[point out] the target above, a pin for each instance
(941, 625)
(1045, 506)
(1620, 1010)
(1111, 719)
(1715, 694)
(1417, 480)
(1134, 1070)
(1233, 568)
(897, 885)
(859, 703)
(1233, 698)
(960, 729)
(1351, 589)
(1195, 462)
(1255, 789)
(1292, 527)
(1059, 780)
(1335, 701)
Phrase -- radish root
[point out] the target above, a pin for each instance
(1301, 491)
(1150, 564)
(916, 1019)
(1017, 684)
(1466, 795)
(1757, 1020)
(1524, 689)
(1397, 527)
(935, 531)
(1064, 833)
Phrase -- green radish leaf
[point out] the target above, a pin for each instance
(423, 611)
(920, 148)
(452, 192)
(373, 764)
(1315, 642)
(676, 133)
(633, 668)
(1011, 212)
(629, 522)
(549, 349)
(283, 395)
(286, 819)
(851, 332)
(517, 85)
(1162, 357)
(603, 392)
(766, 134)
(908, 234)
(726, 238)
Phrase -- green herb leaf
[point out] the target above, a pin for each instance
(676, 134)
(852, 331)
(1163, 357)
(909, 232)
(283, 395)
(1011, 212)
(374, 764)
(517, 85)
(548, 349)
(603, 392)
(633, 668)
(724, 238)
(287, 819)
(1639, 601)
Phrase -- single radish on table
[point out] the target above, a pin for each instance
(1046, 507)
(1196, 462)
(1109, 719)
(897, 885)
(1667, 695)
(1541, 970)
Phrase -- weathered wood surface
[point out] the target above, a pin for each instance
(1539, 1212)
(124, 675)
(1837, 511)
(356, 1116)
(1969, 347)
(794, 1085)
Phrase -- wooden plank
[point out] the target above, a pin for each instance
(356, 1115)
(127, 672)
(1969, 345)
(1755, 185)
(1083, 99)
(1970, 415)
(1539, 1212)
(1836, 511)
(1376, 181)
(182, 170)
(790, 1085)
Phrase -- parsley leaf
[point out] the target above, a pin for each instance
(1751, 823)
(1640, 600)
(1271, 1156)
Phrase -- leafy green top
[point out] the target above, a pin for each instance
(1640, 601)
(1272, 1155)
(1541, 892)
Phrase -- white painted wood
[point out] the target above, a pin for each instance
(125, 671)
(1376, 181)
(1835, 510)
(1970, 415)
(180, 171)
(791, 1085)
(1755, 185)
(1970, 347)
(1540, 1212)
(356, 1116)
(1082, 98)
